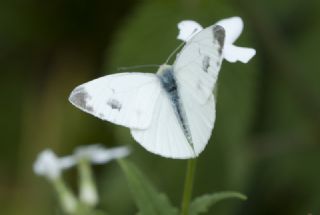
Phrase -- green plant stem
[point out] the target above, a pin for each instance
(67, 199)
(188, 185)
(88, 190)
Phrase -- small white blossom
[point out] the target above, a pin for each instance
(233, 27)
(98, 154)
(95, 154)
(88, 194)
(49, 165)
(232, 53)
(188, 29)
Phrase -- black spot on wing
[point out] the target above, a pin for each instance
(79, 98)
(205, 63)
(114, 104)
(219, 35)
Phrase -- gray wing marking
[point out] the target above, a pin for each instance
(219, 35)
(79, 98)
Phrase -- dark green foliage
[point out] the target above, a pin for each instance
(203, 203)
(147, 199)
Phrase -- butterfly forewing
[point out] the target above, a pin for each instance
(196, 71)
(198, 64)
(126, 99)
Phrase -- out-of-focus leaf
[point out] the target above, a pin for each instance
(148, 200)
(96, 212)
(203, 203)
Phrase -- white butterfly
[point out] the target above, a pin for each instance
(170, 113)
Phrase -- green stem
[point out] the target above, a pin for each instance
(88, 190)
(188, 185)
(68, 201)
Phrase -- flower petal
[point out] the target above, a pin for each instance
(233, 27)
(98, 154)
(187, 29)
(109, 154)
(47, 164)
(67, 162)
(234, 53)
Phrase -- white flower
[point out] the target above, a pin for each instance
(50, 166)
(233, 27)
(98, 154)
(188, 29)
(88, 192)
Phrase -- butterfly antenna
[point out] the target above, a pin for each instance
(137, 66)
(174, 51)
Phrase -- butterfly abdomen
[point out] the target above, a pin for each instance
(169, 85)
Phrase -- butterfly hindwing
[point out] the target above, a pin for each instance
(164, 136)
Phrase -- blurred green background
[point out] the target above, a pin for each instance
(266, 141)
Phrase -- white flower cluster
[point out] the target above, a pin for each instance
(233, 27)
(97, 154)
(50, 166)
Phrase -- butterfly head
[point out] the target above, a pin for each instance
(163, 69)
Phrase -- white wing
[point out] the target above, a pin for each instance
(198, 64)
(200, 117)
(126, 99)
(165, 136)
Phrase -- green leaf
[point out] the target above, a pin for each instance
(85, 210)
(201, 204)
(98, 212)
(147, 199)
